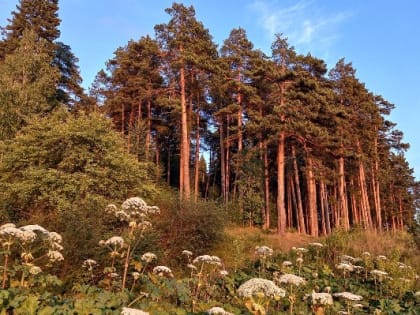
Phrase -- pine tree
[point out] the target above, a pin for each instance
(27, 85)
(41, 17)
(187, 47)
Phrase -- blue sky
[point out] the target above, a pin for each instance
(380, 38)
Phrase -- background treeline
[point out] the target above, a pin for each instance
(286, 143)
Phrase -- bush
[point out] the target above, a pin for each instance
(195, 226)
(62, 171)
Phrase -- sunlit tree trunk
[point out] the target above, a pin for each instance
(185, 191)
(344, 210)
(281, 209)
(312, 208)
(301, 216)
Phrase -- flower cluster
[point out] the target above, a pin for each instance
(148, 257)
(134, 211)
(207, 259)
(163, 271)
(321, 298)
(263, 252)
(132, 311)
(349, 296)
(257, 286)
(290, 279)
(218, 311)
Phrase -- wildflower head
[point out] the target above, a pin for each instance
(299, 260)
(315, 244)
(322, 298)
(163, 271)
(132, 311)
(187, 253)
(287, 263)
(89, 264)
(263, 252)
(27, 236)
(34, 270)
(207, 259)
(34, 228)
(291, 279)
(136, 275)
(54, 256)
(148, 257)
(115, 241)
(223, 273)
(349, 296)
(257, 286)
(346, 267)
(217, 311)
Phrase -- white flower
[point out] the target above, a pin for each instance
(345, 267)
(55, 237)
(224, 273)
(113, 275)
(136, 275)
(217, 311)
(153, 210)
(134, 203)
(207, 259)
(111, 209)
(187, 253)
(366, 254)
(122, 215)
(27, 236)
(291, 279)
(7, 225)
(347, 258)
(381, 257)
(258, 285)
(89, 264)
(192, 267)
(349, 296)
(34, 270)
(322, 298)
(316, 244)
(115, 240)
(163, 271)
(263, 251)
(9, 230)
(357, 305)
(54, 256)
(132, 311)
(34, 228)
(299, 250)
(148, 257)
(287, 263)
(299, 260)
(379, 273)
(56, 246)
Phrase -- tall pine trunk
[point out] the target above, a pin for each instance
(301, 216)
(266, 187)
(281, 208)
(185, 190)
(312, 208)
(197, 158)
(344, 210)
(222, 159)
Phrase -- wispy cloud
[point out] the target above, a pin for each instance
(308, 26)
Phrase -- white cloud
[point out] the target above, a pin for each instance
(308, 26)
